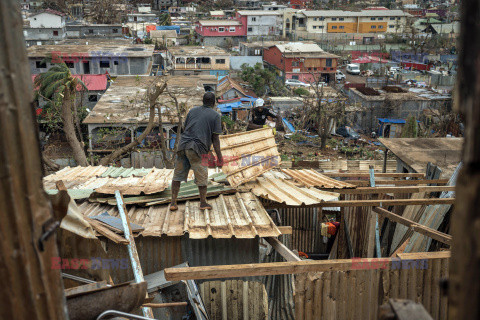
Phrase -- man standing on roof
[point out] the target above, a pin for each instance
(258, 115)
(201, 129)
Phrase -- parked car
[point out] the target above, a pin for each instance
(347, 132)
(353, 69)
(339, 76)
(296, 83)
(394, 70)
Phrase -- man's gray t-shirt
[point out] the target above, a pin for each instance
(201, 123)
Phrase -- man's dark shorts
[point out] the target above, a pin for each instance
(187, 159)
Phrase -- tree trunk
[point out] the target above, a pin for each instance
(464, 282)
(30, 287)
(70, 132)
(152, 98)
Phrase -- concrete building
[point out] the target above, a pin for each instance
(338, 21)
(86, 30)
(261, 24)
(274, 7)
(122, 113)
(197, 60)
(142, 17)
(247, 4)
(164, 37)
(221, 33)
(164, 4)
(45, 27)
(99, 59)
(306, 62)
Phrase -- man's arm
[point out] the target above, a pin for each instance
(252, 125)
(216, 147)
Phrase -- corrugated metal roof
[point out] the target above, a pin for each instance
(272, 187)
(102, 179)
(312, 178)
(248, 154)
(240, 215)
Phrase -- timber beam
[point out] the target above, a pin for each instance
(368, 203)
(398, 190)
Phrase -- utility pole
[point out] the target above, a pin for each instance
(30, 287)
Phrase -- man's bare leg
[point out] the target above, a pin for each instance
(175, 190)
(203, 198)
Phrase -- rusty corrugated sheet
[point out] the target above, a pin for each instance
(102, 179)
(235, 299)
(271, 187)
(357, 294)
(312, 178)
(240, 215)
(248, 154)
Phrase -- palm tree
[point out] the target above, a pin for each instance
(164, 19)
(60, 87)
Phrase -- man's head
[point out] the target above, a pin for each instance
(259, 103)
(209, 99)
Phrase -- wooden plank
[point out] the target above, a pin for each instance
(85, 288)
(407, 309)
(370, 203)
(165, 305)
(285, 229)
(398, 182)
(377, 174)
(275, 268)
(399, 189)
(432, 233)
(282, 249)
(106, 232)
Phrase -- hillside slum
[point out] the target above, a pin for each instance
(282, 241)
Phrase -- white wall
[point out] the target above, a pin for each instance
(46, 20)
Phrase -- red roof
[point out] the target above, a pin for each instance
(94, 82)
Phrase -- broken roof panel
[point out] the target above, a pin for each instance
(129, 181)
(248, 154)
(240, 215)
(312, 178)
(272, 187)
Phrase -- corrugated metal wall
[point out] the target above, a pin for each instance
(357, 294)
(305, 223)
(235, 300)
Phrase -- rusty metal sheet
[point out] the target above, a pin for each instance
(241, 215)
(270, 187)
(248, 154)
(312, 178)
(89, 305)
(102, 179)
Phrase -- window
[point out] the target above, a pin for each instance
(115, 62)
(115, 31)
(250, 29)
(92, 98)
(295, 77)
(55, 33)
(40, 64)
(254, 18)
(309, 69)
(342, 27)
(380, 19)
(380, 27)
(90, 31)
(398, 18)
(392, 18)
(328, 62)
(257, 52)
(70, 64)
(104, 64)
(391, 26)
(221, 29)
(295, 63)
(373, 27)
(232, 29)
(334, 27)
(314, 68)
(334, 19)
(314, 27)
(341, 19)
(321, 18)
(315, 19)
(320, 27)
(373, 19)
(220, 61)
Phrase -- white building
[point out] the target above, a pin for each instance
(261, 24)
(46, 27)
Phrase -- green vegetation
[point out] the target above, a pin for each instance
(301, 92)
(263, 81)
(410, 129)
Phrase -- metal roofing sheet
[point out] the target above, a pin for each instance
(240, 215)
(102, 179)
(312, 178)
(272, 187)
(248, 154)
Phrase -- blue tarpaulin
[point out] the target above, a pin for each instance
(288, 125)
(387, 120)
(176, 28)
(227, 107)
